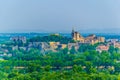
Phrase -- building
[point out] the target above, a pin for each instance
(70, 45)
(19, 39)
(101, 39)
(77, 37)
(101, 48)
(54, 45)
(42, 46)
(62, 46)
(117, 45)
(91, 39)
(113, 42)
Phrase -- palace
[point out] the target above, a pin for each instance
(91, 39)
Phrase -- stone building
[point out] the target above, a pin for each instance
(91, 39)
(19, 39)
(77, 37)
(54, 45)
(70, 45)
(101, 48)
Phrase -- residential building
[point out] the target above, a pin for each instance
(19, 39)
(54, 45)
(101, 48)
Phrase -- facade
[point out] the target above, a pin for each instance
(19, 39)
(70, 45)
(101, 48)
(113, 42)
(91, 39)
(77, 37)
(62, 46)
(54, 45)
(117, 45)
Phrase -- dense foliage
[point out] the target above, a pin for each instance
(84, 64)
(56, 38)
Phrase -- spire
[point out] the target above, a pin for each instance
(73, 30)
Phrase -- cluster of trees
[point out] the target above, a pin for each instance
(84, 64)
(56, 38)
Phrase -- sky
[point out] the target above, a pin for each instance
(60, 15)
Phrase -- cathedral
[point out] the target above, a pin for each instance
(91, 39)
(76, 36)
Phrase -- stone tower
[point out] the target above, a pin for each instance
(72, 34)
(76, 36)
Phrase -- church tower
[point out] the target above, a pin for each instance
(73, 30)
(76, 36)
(73, 33)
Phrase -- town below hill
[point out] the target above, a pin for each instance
(60, 57)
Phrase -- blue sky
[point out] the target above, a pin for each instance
(59, 15)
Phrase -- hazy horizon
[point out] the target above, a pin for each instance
(87, 16)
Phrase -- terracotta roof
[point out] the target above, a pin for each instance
(103, 47)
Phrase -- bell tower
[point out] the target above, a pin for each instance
(73, 33)
(73, 30)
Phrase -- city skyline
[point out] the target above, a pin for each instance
(60, 16)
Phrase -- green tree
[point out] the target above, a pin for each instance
(73, 50)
